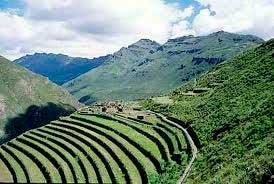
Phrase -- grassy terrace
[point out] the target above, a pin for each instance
(25, 172)
(176, 135)
(76, 160)
(166, 137)
(28, 164)
(118, 172)
(6, 174)
(143, 164)
(129, 138)
(41, 161)
(71, 168)
(91, 148)
(93, 161)
(18, 170)
(50, 163)
(145, 131)
(173, 137)
(129, 170)
(95, 153)
(179, 134)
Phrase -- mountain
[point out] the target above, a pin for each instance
(28, 100)
(147, 68)
(233, 118)
(59, 68)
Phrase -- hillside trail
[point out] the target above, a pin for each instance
(192, 145)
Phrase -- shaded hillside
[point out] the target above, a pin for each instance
(57, 67)
(234, 119)
(146, 68)
(20, 90)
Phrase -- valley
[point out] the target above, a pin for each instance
(214, 125)
(137, 92)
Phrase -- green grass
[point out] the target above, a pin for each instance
(152, 164)
(178, 134)
(73, 171)
(78, 155)
(146, 131)
(94, 154)
(8, 151)
(53, 157)
(35, 175)
(174, 136)
(167, 137)
(17, 168)
(48, 166)
(234, 120)
(78, 161)
(145, 165)
(129, 170)
(133, 134)
(103, 147)
(5, 175)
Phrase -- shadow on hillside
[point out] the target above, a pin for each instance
(34, 117)
(190, 130)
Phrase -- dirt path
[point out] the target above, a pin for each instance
(192, 145)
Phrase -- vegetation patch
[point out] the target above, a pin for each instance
(233, 120)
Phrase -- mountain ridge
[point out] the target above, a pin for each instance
(59, 68)
(134, 72)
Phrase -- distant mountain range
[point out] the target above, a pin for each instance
(147, 68)
(140, 70)
(59, 68)
(28, 100)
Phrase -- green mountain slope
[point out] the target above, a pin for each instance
(25, 95)
(234, 119)
(59, 68)
(146, 68)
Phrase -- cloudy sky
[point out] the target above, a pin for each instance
(90, 28)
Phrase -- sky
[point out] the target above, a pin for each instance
(91, 28)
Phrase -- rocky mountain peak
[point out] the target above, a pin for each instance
(180, 39)
(145, 43)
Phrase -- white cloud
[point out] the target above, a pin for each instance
(112, 18)
(90, 28)
(243, 16)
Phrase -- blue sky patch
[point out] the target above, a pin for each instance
(11, 4)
